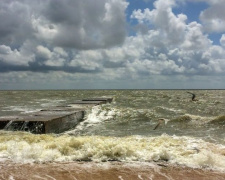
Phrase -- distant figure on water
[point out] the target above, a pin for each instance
(193, 96)
(160, 122)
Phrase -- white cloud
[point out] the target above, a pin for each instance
(56, 57)
(222, 40)
(13, 57)
(43, 52)
(87, 60)
(172, 27)
(217, 65)
(60, 52)
(43, 29)
(5, 49)
(213, 18)
(194, 37)
(88, 41)
(185, 47)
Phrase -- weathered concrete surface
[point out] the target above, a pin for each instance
(89, 102)
(106, 100)
(52, 120)
(63, 123)
(94, 101)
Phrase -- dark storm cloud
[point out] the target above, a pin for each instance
(87, 24)
(15, 24)
(36, 67)
(73, 25)
(78, 24)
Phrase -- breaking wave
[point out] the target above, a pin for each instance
(26, 147)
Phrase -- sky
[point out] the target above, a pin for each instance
(112, 44)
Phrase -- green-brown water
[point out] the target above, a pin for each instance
(192, 134)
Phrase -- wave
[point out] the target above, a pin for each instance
(22, 109)
(199, 120)
(106, 112)
(192, 152)
(95, 115)
(110, 120)
(220, 120)
(192, 119)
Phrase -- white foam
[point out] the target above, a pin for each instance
(50, 102)
(96, 115)
(11, 178)
(120, 177)
(192, 152)
(170, 109)
(22, 109)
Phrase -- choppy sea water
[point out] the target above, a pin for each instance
(192, 133)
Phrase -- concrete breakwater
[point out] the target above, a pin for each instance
(52, 120)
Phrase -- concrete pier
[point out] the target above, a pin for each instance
(52, 120)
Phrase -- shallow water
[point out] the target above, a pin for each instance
(103, 171)
(191, 134)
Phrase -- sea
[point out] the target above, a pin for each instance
(137, 127)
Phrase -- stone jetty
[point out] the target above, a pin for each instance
(52, 120)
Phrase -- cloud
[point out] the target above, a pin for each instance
(213, 18)
(15, 24)
(173, 46)
(82, 40)
(43, 52)
(66, 23)
(14, 57)
(222, 40)
(195, 39)
(50, 35)
(163, 19)
(87, 24)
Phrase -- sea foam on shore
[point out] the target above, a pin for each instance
(22, 147)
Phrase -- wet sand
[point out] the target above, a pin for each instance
(103, 171)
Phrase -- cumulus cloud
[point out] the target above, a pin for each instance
(88, 39)
(213, 18)
(222, 40)
(48, 35)
(71, 23)
(172, 45)
(15, 24)
(13, 57)
(86, 24)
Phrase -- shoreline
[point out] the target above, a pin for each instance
(104, 170)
